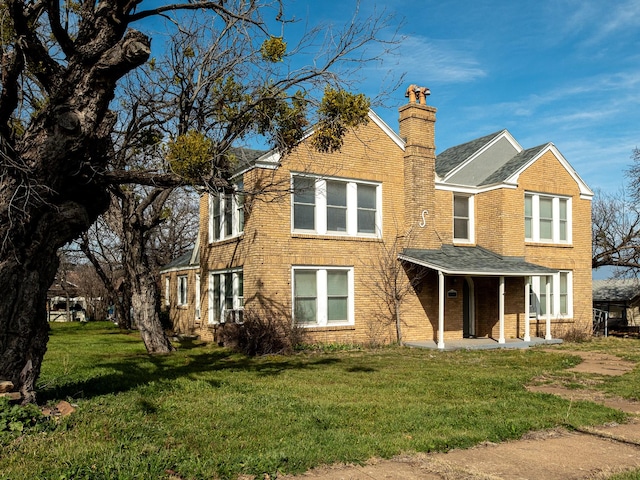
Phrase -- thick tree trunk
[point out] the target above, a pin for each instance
(145, 313)
(144, 288)
(24, 330)
(51, 187)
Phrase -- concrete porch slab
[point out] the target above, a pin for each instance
(483, 343)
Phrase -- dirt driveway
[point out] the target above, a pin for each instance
(591, 453)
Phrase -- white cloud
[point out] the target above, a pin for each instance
(446, 61)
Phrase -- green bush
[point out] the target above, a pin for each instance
(16, 420)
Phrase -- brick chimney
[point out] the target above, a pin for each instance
(417, 128)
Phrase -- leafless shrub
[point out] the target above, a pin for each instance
(262, 333)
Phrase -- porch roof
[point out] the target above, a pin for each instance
(477, 261)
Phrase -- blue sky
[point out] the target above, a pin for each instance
(561, 71)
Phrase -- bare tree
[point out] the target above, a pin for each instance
(616, 225)
(61, 64)
(616, 232)
(393, 280)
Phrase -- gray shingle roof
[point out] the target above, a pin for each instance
(512, 166)
(472, 261)
(246, 156)
(616, 290)
(183, 260)
(454, 156)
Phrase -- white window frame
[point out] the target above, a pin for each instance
(167, 291)
(470, 219)
(322, 295)
(538, 288)
(535, 219)
(198, 299)
(320, 209)
(238, 300)
(237, 217)
(183, 300)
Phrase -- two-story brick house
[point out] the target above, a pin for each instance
(491, 240)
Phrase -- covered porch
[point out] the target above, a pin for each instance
(473, 264)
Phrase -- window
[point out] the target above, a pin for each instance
(304, 203)
(226, 294)
(198, 299)
(226, 214)
(336, 207)
(167, 291)
(560, 299)
(463, 218)
(182, 290)
(323, 296)
(547, 218)
(367, 202)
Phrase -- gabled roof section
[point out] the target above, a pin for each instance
(616, 290)
(513, 166)
(497, 159)
(530, 156)
(478, 261)
(183, 262)
(271, 158)
(500, 146)
(373, 116)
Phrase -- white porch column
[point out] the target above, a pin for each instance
(440, 309)
(501, 309)
(548, 308)
(527, 308)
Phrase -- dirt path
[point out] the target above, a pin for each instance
(591, 453)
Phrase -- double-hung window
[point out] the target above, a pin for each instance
(182, 290)
(323, 296)
(547, 218)
(336, 206)
(226, 214)
(463, 230)
(226, 294)
(560, 295)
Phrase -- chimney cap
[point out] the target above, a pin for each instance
(416, 93)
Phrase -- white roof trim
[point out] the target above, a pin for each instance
(450, 187)
(386, 129)
(180, 269)
(504, 134)
(585, 192)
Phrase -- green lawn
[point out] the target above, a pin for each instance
(205, 412)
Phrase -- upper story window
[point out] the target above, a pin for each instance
(335, 206)
(182, 290)
(547, 219)
(323, 296)
(226, 214)
(463, 230)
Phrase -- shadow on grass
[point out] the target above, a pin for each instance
(134, 370)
